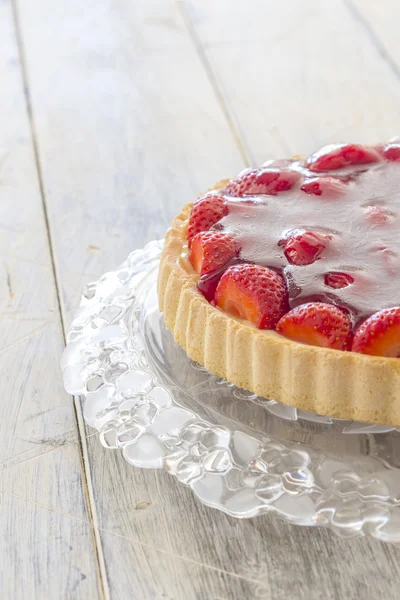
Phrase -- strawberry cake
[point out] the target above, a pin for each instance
(286, 281)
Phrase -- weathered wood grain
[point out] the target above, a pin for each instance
(52, 480)
(379, 21)
(146, 111)
(128, 127)
(285, 560)
(35, 411)
(146, 573)
(137, 107)
(43, 553)
(298, 75)
(46, 549)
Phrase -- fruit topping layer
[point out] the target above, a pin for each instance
(310, 248)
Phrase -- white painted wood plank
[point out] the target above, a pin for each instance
(34, 410)
(153, 508)
(150, 135)
(52, 480)
(50, 559)
(297, 75)
(147, 574)
(380, 22)
(48, 488)
(123, 111)
(43, 553)
(128, 127)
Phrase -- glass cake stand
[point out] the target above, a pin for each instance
(239, 453)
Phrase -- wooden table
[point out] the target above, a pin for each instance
(112, 115)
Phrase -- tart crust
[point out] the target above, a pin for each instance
(340, 384)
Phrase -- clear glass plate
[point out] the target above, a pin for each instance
(240, 453)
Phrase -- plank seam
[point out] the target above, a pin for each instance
(233, 126)
(376, 42)
(173, 554)
(83, 455)
(63, 442)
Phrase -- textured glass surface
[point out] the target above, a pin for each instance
(239, 453)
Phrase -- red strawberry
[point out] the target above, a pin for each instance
(262, 181)
(317, 324)
(338, 280)
(380, 334)
(211, 250)
(304, 248)
(206, 211)
(391, 151)
(337, 156)
(324, 186)
(254, 293)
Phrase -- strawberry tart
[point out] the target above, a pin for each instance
(286, 281)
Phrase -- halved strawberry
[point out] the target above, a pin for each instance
(329, 187)
(317, 324)
(262, 181)
(380, 334)
(304, 248)
(338, 280)
(254, 293)
(206, 211)
(391, 150)
(337, 156)
(211, 250)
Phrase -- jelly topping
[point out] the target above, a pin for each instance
(309, 248)
(334, 237)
